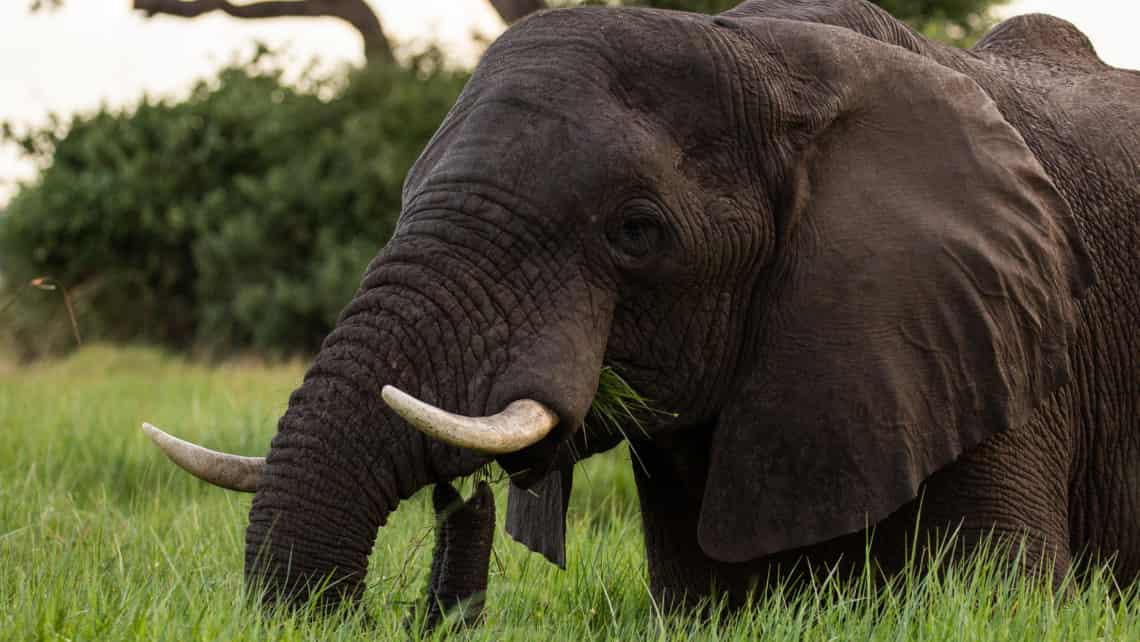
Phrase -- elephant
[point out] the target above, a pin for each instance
(881, 284)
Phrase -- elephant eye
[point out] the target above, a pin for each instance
(638, 234)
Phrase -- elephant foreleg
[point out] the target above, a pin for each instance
(1013, 491)
(670, 483)
(670, 479)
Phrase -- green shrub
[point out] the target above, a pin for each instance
(238, 218)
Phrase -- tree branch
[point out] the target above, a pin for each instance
(512, 10)
(45, 5)
(355, 12)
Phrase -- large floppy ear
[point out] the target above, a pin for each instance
(921, 298)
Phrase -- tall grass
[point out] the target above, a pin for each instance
(102, 539)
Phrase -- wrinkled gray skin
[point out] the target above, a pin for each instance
(861, 267)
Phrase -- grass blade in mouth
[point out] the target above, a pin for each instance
(616, 403)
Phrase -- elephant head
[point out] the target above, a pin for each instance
(833, 254)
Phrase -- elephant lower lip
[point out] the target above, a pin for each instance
(529, 465)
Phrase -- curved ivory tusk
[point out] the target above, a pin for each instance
(519, 425)
(220, 469)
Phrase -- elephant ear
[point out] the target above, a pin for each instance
(921, 299)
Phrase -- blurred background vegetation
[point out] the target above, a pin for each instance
(241, 216)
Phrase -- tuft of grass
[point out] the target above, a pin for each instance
(616, 404)
(101, 538)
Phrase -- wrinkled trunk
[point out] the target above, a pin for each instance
(449, 314)
(340, 464)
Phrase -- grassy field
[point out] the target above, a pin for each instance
(102, 539)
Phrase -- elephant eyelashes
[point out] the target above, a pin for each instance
(637, 234)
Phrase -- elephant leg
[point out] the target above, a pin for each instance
(1013, 488)
(1014, 485)
(670, 476)
(461, 558)
(670, 480)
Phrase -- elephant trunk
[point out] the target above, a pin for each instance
(433, 319)
(342, 459)
(339, 465)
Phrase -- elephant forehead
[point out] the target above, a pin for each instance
(572, 107)
(584, 144)
(653, 61)
(563, 159)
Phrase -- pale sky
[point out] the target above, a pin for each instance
(99, 51)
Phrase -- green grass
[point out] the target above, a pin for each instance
(102, 539)
(617, 407)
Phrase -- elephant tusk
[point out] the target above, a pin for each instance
(220, 469)
(522, 423)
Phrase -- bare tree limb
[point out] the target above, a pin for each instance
(45, 5)
(357, 13)
(512, 10)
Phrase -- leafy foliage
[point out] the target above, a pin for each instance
(959, 22)
(240, 217)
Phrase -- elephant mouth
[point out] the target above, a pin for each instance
(521, 424)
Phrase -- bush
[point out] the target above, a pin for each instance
(238, 218)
